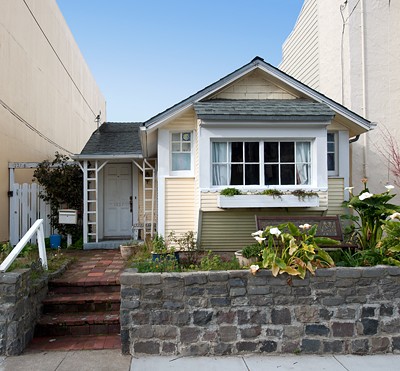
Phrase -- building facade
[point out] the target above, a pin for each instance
(350, 51)
(48, 97)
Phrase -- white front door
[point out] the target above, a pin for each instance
(118, 200)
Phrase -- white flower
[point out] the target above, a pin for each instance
(365, 195)
(389, 187)
(395, 216)
(258, 233)
(350, 189)
(275, 231)
(254, 269)
(259, 239)
(305, 226)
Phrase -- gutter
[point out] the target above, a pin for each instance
(354, 139)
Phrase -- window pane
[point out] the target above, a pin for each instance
(271, 152)
(185, 147)
(271, 174)
(237, 152)
(220, 175)
(176, 147)
(176, 137)
(331, 137)
(219, 152)
(303, 174)
(331, 162)
(186, 137)
(236, 175)
(287, 174)
(252, 175)
(303, 153)
(287, 152)
(180, 161)
(331, 147)
(252, 151)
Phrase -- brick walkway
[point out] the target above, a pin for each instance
(99, 270)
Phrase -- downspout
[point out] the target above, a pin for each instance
(364, 90)
(354, 139)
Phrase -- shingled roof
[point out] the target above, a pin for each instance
(114, 138)
(271, 109)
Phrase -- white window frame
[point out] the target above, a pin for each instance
(261, 164)
(335, 171)
(188, 172)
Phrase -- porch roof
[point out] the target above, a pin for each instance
(271, 110)
(117, 139)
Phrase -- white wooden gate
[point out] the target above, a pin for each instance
(25, 208)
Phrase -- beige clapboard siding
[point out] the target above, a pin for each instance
(336, 196)
(253, 86)
(300, 52)
(186, 121)
(231, 230)
(179, 205)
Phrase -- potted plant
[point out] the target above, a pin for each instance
(160, 249)
(248, 255)
(128, 248)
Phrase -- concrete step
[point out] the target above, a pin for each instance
(82, 323)
(81, 302)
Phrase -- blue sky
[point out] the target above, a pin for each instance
(148, 55)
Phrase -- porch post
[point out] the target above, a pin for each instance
(85, 202)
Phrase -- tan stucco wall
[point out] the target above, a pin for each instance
(360, 70)
(51, 91)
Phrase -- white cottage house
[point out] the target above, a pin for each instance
(254, 129)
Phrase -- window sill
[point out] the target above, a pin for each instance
(256, 201)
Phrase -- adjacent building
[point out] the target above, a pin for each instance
(349, 50)
(48, 97)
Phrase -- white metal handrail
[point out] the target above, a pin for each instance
(37, 227)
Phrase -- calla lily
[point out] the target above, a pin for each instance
(259, 239)
(350, 189)
(258, 233)
(254, 268)
(275, 231)
(365, 195)
(305, 226)
(389, 187)
(394, 216)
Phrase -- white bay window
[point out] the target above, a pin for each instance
(263, 163)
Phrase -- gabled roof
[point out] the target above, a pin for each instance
(257, 62)
(116, 139)
(269, 109)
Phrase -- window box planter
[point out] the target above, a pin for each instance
(255, 201)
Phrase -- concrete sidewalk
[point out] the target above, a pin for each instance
(112, 360)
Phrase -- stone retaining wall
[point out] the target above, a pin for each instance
(20, 307)
(339, 310)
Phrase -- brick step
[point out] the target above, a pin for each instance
(61, 287)
(83, 323)
(83, 302)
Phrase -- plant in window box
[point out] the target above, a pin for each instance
(249, 255)
(230, 192)
(272, 192)
(160, 249)
(301, 194)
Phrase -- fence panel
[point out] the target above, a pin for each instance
(25, 208)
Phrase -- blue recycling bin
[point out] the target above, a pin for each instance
(55, 241)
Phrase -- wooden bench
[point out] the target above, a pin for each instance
(328, 226)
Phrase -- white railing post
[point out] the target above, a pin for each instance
(42, 246)
(37, 227)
